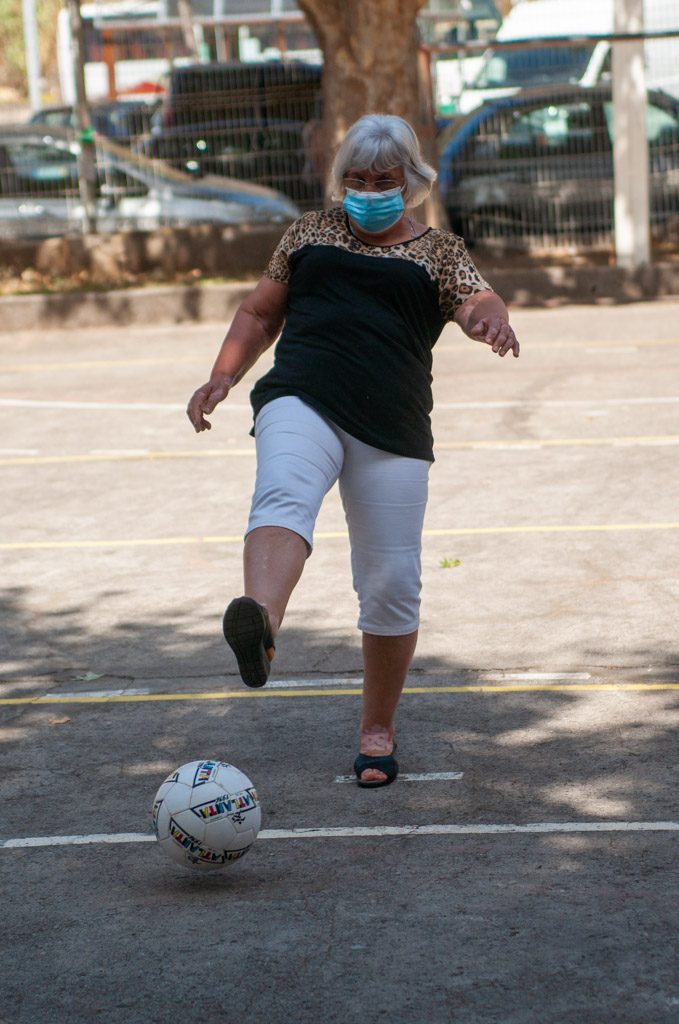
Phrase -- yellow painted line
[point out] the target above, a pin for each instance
(584, 528)
(151, 698)
(49, 545)
(46, 460)
(212, 453)
(550, 442)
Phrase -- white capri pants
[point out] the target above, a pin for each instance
(300, 455)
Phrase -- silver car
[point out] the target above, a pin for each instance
(40, 197)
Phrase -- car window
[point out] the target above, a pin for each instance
(58, 118)
(662, 125)
(38, 167)
(558, 127)
(534, 66)
(560, 130)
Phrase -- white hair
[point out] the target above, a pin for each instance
(379, 142)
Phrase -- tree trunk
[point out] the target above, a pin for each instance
(370, 50)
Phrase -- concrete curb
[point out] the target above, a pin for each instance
(167, 304)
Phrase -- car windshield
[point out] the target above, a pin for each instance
(539, 66)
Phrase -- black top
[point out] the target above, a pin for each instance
(360, 325)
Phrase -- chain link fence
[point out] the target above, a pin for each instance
(525, 130)
(526, 121)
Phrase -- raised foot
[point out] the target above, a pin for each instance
(247, 631)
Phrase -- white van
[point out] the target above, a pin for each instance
(504, 72)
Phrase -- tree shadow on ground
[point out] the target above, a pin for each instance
(532, 755)
(488, 924)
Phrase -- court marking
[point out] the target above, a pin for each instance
(294, 684)
(462, 531)
(567, 403)
(132, 691)
(415, 777)
(322, 682)
(46, 403)
(266, 694)
(366, 832)
(643, 440)
(444, 346)
(96, 364)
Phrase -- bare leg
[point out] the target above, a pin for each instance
(386, 662)
(273, 560)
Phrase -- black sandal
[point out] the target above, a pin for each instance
(386, 763)
(247, 631)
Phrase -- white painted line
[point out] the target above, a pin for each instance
(538, 676)
(558, 402)
(642, 443)
(539, 828)
(414, 777)
(101, 693)
(327, 682)
(368, 832)
(295, 684)
(607, 349)
(40, 403)
(95, 838)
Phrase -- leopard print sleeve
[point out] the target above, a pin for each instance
(278, 268)
(458, 278)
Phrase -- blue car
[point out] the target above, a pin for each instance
(537, 167)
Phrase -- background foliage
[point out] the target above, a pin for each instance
(13, 59)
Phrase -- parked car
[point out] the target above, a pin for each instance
(255, 122)
(39, 190)
(586, 61)
(275, 155)
(538, 167)
(121, 120)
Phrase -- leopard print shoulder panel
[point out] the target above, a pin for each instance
(441, 254)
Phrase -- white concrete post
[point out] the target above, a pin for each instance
(32, 54)
(630, 155)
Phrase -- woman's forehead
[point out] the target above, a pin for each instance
(373, 172)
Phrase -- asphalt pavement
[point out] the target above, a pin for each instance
(522, 870)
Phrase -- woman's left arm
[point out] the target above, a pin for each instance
(484, 317)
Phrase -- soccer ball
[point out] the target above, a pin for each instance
(206, 814)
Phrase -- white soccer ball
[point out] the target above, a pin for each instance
(206, 814)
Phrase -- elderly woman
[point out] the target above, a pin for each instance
(359, 294)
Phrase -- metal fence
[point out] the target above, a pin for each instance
(535, 170)
(526, 136)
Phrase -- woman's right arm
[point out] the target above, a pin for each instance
(255, 327)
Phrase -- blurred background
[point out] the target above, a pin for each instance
(554, 124)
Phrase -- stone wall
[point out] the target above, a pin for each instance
(207, 250)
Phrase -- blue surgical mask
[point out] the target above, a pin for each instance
(374, 211)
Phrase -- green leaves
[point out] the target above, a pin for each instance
(449, 563)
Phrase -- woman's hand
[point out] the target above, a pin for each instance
(495, 331)
(206, 398)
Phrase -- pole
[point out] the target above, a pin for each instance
(87, 171)
(186, 18)
(630, 150)
(31, 44)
